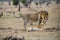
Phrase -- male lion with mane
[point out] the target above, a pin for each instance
(41, 17)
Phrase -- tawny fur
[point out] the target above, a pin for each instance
(40, 16)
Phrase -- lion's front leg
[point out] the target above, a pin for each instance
(25, 24)
(39, 24)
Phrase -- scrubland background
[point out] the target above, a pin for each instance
(8, 23)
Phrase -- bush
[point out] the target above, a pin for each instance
(15, 2)
(23, 1)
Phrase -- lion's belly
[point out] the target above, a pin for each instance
(34, 20)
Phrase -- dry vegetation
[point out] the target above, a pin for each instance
(9, 25)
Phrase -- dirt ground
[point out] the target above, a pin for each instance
(9, 25)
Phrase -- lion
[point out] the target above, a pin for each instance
(41, 17)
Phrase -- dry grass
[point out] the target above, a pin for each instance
(17, 23)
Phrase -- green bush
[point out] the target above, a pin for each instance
(15, 2)
(57, 1)
(23, 1)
